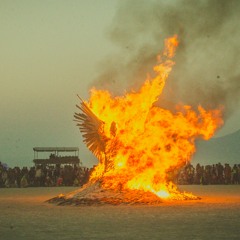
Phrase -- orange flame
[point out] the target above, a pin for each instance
(150, 141)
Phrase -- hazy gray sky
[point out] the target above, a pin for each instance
(53, 50)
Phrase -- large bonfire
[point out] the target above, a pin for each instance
(137, 143)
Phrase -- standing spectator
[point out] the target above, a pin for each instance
(38, 176)
(31, 176)
(24, 182)
(220, 178)
(198, 174)
(235, 174)
(60, 181)
(227, 173)
(213, 178)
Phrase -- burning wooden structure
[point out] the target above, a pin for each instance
(137, 142)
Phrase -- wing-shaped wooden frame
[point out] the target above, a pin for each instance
(92, 129)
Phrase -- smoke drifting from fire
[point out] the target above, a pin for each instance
(207, 60)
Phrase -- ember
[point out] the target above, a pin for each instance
(138, 143)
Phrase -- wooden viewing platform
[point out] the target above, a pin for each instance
(55, 156)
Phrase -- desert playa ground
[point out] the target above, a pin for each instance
(24, 214)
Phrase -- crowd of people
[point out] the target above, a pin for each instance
(43, 175)
(209, 174)
(73, 175)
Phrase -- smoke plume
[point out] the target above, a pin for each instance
(207, 59)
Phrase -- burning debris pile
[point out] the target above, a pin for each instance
(138, 143)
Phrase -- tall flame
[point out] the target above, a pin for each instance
(149, 141)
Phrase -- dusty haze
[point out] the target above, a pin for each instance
(206, 69)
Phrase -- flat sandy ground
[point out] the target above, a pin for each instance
(25, 215)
